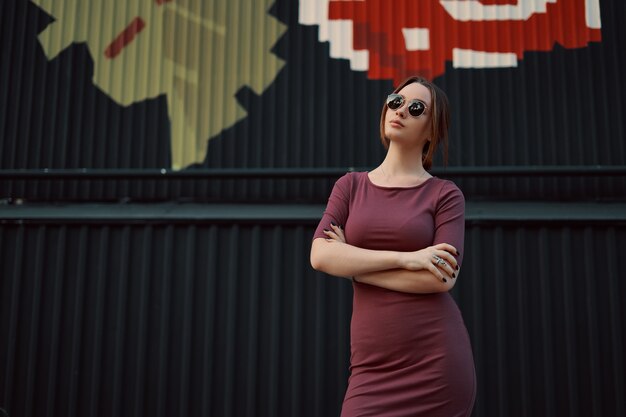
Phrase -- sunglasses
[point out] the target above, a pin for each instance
(415, 107)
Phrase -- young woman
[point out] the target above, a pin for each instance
(397, 232)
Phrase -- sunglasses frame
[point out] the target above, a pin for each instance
(391, 97)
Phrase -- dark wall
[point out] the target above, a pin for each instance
(130, 289)
(229, 320)
(169, 320)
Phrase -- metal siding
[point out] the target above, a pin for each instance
(169, 320)
(225, 317)
(542, 304)
(231, 320)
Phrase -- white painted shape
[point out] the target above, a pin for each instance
(360, 61)
(467, 58)
(474, 10)
(342, 46)
(310, 11)
(315, 12)
(339, 33)
(592, 14)
(416, 39)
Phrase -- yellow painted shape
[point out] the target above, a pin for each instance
(198, 53)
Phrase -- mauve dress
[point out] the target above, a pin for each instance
(410, 353)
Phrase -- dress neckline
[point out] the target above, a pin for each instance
(410, 187)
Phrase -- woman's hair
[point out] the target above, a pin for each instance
(439, 121)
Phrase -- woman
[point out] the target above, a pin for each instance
(397, 231)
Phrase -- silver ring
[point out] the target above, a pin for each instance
(439, 260)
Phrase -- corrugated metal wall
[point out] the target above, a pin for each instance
(169, 320)
(544, 305)
(561, 105)
(141, 306)
(225, 320)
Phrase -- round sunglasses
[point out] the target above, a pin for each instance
(415, 107)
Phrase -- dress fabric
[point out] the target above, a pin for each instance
(410, 353)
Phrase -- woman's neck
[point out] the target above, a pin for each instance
(403, 162)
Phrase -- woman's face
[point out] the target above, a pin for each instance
(401, 126)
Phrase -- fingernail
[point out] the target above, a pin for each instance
(457, 267)
(444, 280)
(457, 253)
(333, 223)
(326, 230)
(453, 276)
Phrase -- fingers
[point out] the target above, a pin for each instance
(336, 233)
(331, 235)
(437, 272)
(443, 260)
(337, 229)
(447, 247)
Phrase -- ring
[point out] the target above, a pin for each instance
(439, 260)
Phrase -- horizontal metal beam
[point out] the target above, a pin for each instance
(304, 214)
(296, 173)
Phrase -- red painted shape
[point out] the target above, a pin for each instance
(160, 2)
(124, 38)
(378, 28)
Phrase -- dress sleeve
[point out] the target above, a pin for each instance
(337, 208)
(450, 218)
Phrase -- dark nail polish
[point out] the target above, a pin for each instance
(445, 280)
(457, 267)
(457, 253)
(453, 276)
(326, 230)
(333, 223)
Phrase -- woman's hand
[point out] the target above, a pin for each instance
(437, 259)
(336, 234)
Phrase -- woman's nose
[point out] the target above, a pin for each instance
(400, 111)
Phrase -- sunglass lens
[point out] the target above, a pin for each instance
(394, 101)
(416, 108)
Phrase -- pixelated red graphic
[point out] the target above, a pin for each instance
(378, 28)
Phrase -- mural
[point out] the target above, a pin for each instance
(391, 42)
(145, 48)
(212, 75)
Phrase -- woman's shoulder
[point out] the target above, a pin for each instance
(351, 177)
(446, 188)
(346, 184)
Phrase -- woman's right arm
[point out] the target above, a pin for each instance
(413, 282)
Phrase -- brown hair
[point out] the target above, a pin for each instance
(439, 121)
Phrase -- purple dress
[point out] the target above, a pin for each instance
(410, 353)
